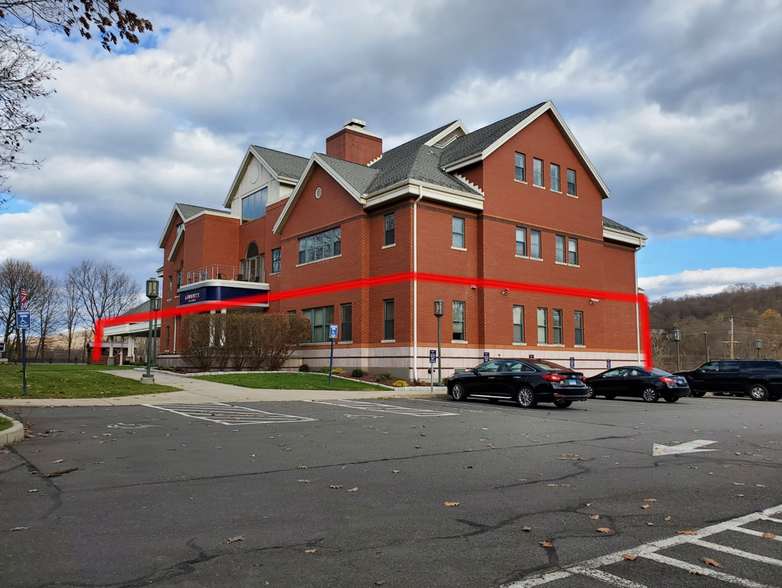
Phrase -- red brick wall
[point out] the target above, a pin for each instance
(354, 146)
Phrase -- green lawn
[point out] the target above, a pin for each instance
(70, 381)
(4, 424)
(291, 381)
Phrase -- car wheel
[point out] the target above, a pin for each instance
(758, 392)
(697, 393)
(458, 392)
(561, 403)
(671, 398)
(526, 397)
(650, 395)
(610, 396)
(590, 392)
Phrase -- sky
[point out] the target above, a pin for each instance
(677, 104)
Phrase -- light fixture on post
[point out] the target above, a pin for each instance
(758, 346)
(439, 311)
(677, 336)
(153, 291)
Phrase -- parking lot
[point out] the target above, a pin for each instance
(396, 493)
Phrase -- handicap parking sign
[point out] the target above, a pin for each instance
(332, 331)
(432, 356)
(22, 319)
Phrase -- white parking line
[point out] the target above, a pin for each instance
(756, 533)
(386, 408)
(650, 551)
(228, 414)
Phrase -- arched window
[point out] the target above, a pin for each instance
(253, 264)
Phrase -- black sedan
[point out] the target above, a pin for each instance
(525, 381)
(650, 385)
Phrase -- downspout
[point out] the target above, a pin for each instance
(637, 319)
(415, 281)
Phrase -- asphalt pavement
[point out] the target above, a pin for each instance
(401, 492)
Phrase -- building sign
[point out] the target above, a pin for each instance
(220, 293)
(433, 356)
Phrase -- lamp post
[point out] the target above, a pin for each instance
(439, 311)
(677, 336)
(758, 346)
(153, 290)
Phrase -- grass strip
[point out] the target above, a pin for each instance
(5, 423)
(291, 381)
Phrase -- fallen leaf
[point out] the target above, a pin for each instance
(568, 454)
(450, 504)
(418, 447)
(468, 450)
(645, 506)
(20, 528)
(694, 573)
(650, 500)
(562, 459)
(310, 550)
(527, 529)
(589, 504)
(759, 486)
(667, 518)
(594, 517)
(547, 544)
(577, 459)
(394, 471)
(768, 535)
(710, 562)
(604, 530)
(738, 484)
(302, 467)
(58, 461)
(106, 434)
(490, 445)
(686, 532)
(235, 539)
(352, 489)
(304, 481)
(333, 487)
(675, 442)
(61, 472)
(33, 490)
(559, 485)
(522, 479)
(629, 556)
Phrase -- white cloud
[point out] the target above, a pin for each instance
(711, 281)
(743, 228)
(37, 235)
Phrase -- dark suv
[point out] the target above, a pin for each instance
(525, 381)
(760, 379)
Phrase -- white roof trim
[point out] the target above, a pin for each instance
(624, 237)
(444, 133)
(547, 107)
(170, 220)
(177, 243)
(294, 196)
(430, 192)
(240, 173)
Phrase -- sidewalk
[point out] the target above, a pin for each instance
(196, 391)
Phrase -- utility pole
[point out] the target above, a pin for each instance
(732, 355)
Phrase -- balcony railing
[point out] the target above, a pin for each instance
(224, 272)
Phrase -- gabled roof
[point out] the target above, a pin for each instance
(618, 232)
(360, 177)
(187, 212)
(284, 165)
(612, 224)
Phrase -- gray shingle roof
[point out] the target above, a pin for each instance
(611, 224)
(358, 176)
(283, 164)
(190, 210)
(143, 307)
(475, 142)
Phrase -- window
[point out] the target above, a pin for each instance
(537, 172)
(320, 319)
(521, 167)
(521, 241)
(578, 322)
(170, 286)
(168, 338)
(390, 232)
(254, 205)
(276, 260)
(178, 280)
(491, 366)
(347, 322)
(561, 249)
(518, 324)
(542, 325)
(571, 182)
(534, 242)
(458, 321)
(388, 320)
(320, 246)
(572, 251)
(253, 264)
(457, 232)
(557, 326)
(555, 177)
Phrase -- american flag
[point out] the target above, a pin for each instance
(24, 299)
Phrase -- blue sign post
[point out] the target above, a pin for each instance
(572, 363)
(23, 323)
(486, 356)
(432, 361)
(608, 364)
(333, 331)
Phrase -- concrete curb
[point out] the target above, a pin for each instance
(12, 435)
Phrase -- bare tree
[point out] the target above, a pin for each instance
(23, 71)
(102, 290)
(70, 311)
(16, 275)
(46, 307)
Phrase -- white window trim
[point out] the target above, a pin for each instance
(556, 191)
(522, 256)
(459, 341)
(276, 273)
(520, 181)
(580, 346)
(520, 343)
(388, 340)
(541, 186)
(344, 342)
(572, 196)
(317, 260)
(534, 258)
(388, 246)
(458, 248)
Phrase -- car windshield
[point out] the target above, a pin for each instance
(549, 365)
(656, 372)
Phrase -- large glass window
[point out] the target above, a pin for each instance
(521, 167)
(572, 251)
(457, 232)
(347, 322)
(555, 177)
(458, 321)
(537, 172)
(254, 205)
(542, 325)
(320, 319)
(390, 234)
(320, 246)
(388, 320)
(561, 249)
(521, 241)
(253, 264)
(518, 324)
(571, 182)
(534, 245)
(276, 260)
(557, 326)
(578, 322)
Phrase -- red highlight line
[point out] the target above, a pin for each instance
(268, 297)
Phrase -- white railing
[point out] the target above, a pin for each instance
(224, 272)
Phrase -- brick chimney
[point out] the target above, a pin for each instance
(353, 143)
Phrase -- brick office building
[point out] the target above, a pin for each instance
(517, 201)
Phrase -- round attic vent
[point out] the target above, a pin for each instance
(253, 173)
(318, 192)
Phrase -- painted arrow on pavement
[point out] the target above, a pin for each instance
(696, 446)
